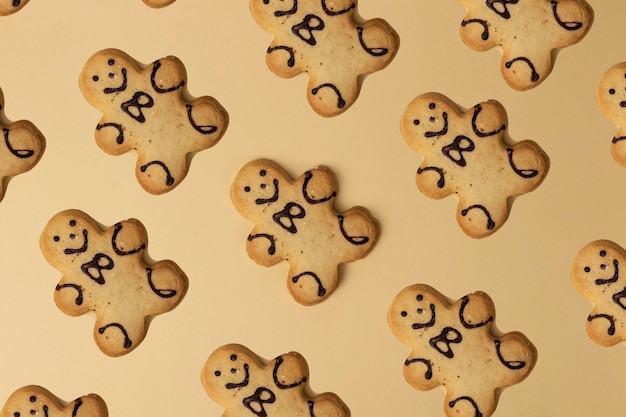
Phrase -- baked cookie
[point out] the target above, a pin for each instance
(611, 99)
(456, 345)
(8, 7)
(33, 400)
(246, 385)
(145, 110)
(295, 220)
(157, 4)
(466, 154)
(106, 271)
(323, 39)
(527, 32)
(596, 275)
(22, 148)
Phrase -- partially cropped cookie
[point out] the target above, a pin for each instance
(596, 275)
(456, 345)
(466, 153)
(107, 271)
(325, 40)
(146, 110)
(528, 33)
(8, 7)
(247, 385)
(36, 401)
(295, 221)
(157, 4)
(611, 99)
(21, 148)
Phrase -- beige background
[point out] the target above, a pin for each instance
(349, 348)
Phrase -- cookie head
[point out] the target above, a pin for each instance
(257, 184)
(105, 75)
(413, 309)
(227, 370)
(611, 94)
(598, 263)
(65, 235)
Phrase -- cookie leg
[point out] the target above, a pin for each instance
(328, 405)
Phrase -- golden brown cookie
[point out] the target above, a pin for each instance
(466, 155)
(145, 110)
(295, 221)
(457, 346)
(107, 271)
(323, 39)
(33, 400)
(247, 385)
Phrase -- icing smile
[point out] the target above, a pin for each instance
(81, 249)
(243, 383)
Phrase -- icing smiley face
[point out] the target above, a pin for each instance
(246, 385)
(466, 155)
(597, 274)
(295, 221)
(453, 344)
(611, 99)
(146, 110)
(104, 272)
(36, 401)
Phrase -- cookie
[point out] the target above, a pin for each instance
(22, 147)
(33, 400)
(456, 345)
(611, 99)
(246, 385)
(145, 109)
(596, 275)
(157, 4)
(107, 271)
(466, 153)
(295, 221)
(8, 7)
(527, 32)
(327, 41)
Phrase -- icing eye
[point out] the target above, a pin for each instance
(602, 266)
(111, 75)
(95, 78)
(233, 357)
(416, 122)
(56, 238)
(419, 297)
(233, 370)
(16, 414)
(403, 313)
(72, 236)
(433, 118)
(218, 373)
(420, 310)
(72, 223)
(32, 399)
(612, 91)
(432, 106)
(263, 186)
(603, 253)
(263, 173)
(246, 189)
(111, 62)
(587, 269)
(33, 412)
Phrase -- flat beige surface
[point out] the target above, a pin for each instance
(346, 340)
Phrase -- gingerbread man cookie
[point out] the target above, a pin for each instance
(157, 4)
(246, 385)
(145, 110)
(322, 39)
(596, 275)
(36, 401)
(528, 33)
(105, 271)
(8, 7)
(454, 345)
(611, 99)
(296, 221)
(22, 148)
(465, 154)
